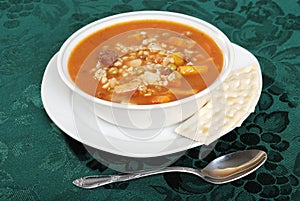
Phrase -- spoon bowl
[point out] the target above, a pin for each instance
(222, 170)
(233, 166)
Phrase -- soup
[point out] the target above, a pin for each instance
(145, 62)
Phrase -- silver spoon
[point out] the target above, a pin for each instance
(224, 169)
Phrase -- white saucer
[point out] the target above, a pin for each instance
(81, 124)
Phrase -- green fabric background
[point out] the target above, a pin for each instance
(38, 161)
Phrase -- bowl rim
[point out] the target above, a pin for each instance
(222, 76)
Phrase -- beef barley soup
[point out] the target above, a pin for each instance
(145, 62)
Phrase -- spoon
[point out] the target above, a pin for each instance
(224, 169)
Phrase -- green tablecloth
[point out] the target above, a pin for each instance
(38, 161)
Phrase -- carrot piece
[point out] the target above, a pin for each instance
(178, 60)
(191, 70)
(160, 99)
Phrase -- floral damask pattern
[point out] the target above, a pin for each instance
(289, 22)
(48, 11)
(36, 157)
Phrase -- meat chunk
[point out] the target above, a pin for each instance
(107, 57)
(127, 87)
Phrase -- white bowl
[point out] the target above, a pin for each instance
(146, 116)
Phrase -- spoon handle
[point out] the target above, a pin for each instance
(95, 181)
